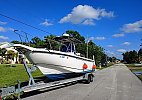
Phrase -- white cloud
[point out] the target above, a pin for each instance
(100, 38)
(88, 22)
(110, 46)
(3, 38)
(118, 35)
(10, 29)
(121, 50)
(126, 43)
(84, 14)
(89, 39)
(3, 23)
(110, 53)
(46, 23)
(132, 27)
(2, 29)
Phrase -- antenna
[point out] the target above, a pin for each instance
(20, 36)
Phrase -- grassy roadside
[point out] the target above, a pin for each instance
(108, 65)
(135, 68)
(9, 74)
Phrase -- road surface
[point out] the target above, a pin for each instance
(113, 83)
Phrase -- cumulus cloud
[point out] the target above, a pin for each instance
(110, 46)
(3, 29)
(46, 23)
(3, 38)
(121, 50)
(3, 23)
(10, 29)
(126, 43)
(88, 22)
(110, 53)
(84, 14)
(132, 27)
(118, 35)
(100, 38)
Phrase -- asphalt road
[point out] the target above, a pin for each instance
(113, 83)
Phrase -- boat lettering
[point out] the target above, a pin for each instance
(62, 56)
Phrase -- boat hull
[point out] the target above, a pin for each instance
(53, 62)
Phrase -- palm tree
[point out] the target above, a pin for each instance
(0, 54)
(16, 55)
(11, 54)
(3, 53)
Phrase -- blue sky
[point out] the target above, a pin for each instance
(116, 25)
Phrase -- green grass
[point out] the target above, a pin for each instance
(9, 74)
(134, 68)
(140, 77)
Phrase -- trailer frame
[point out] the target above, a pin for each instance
(32, 85)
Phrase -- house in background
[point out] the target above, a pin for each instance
(11, 56)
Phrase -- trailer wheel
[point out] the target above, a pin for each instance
(88, 79)
(91, 78)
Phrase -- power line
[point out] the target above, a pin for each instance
(24, 23)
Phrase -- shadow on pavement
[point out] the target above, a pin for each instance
(46, 90)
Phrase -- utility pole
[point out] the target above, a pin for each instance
(87, 49)
(106, 59)
(87, 46)
(139, 57)
(106, 56)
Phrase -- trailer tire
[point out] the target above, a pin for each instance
(88, 79)
(91, 78)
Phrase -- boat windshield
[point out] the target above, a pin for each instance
(67, 44)
(68, 47)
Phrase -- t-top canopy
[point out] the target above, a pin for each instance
(66, 38)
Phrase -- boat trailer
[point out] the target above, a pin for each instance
(32, 85)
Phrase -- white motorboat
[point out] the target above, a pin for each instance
(57, 62)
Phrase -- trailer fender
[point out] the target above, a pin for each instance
(88, 77)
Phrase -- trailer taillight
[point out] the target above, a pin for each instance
(85, 66)
(94, 67)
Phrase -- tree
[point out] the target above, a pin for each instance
(130, 57)
(134, 56)
(11, 54)
(16, 42)
(51, 43)
(76, 35)
(114, 59)
(37, 42)
(0, 51)
(3, 53)
(140, 55)
(16, 55)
